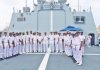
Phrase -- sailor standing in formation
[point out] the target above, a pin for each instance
(13, 44)
(45, 42)
(67, 40)
(77, 48)
(1, 47)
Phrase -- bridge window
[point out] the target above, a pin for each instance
(13, 26)
(21, 14)
(21, 19)
(79, 19)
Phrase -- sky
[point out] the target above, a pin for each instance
(6, 9)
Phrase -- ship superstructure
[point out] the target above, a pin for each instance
(52, 16)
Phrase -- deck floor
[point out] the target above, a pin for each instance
(91, 61)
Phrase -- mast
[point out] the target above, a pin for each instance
(78, 5)
(33, 5)
(26, 3)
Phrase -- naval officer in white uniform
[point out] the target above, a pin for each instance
(35, 42)
(60, 49)
(10, 45)
(40, 40)
(88, 40)
(23, 43)
(1, 47)
(77, 48)
(68, 49)
(45, 42)
(6, 46)
(27, 42)
(56, 45)
(82, 37)
(51, 41)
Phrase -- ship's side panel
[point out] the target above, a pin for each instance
(69, 15)
(88, 26)
(22, 22)
(44, 21)
(59, 20)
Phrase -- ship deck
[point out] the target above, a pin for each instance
(33, 61)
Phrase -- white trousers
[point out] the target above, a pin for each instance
(30, 48)
(77, 54)
(35, 47)
(39, 47)
(57, 47)
(60, 47)
(6, 51)
(20, 49)
(23, 48)
(52, 46)
(14, 50)
(45, 47)
(68, 50)
(27, 48)
(1, 51)
(10, 50)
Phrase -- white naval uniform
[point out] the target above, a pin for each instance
(17, 44)
(40, 43)
(20, 44)
(1, 48)
(77, 54)
(35, 47)
(67, 42)
(82, 37)
(27, 44)
(56, 43)
(14, 45)
(6, 47)
(88, 41)
(45, 43)
(24, 44)
(10, 46)
(30, 44)
(51, 42)
(60, 44)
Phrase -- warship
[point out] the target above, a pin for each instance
(52, 15)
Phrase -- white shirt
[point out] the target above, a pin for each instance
(60, 38)
(40, 38)
(27, 37)
(56, 38)
(0, 40)
(89, 38)
(5, 40)
(67, 39)
(31, 37)
(24, 39)
(35, 39)
(76, 42)
(82, 37)
(45, 39)
(51, 37)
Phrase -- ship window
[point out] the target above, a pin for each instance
(21, 14)
(21, 19)
(83, 19)
(79, 19)
(13, 25)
